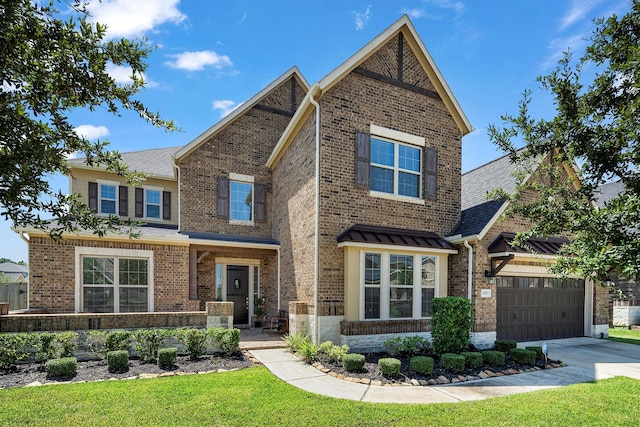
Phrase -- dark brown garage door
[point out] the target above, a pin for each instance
(536, 308)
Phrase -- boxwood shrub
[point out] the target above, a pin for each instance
(493, 358)
(523, 356)
(451, 324)
(389, 366)
(61, 367)
(505, 345)
(452, 362)
(353, 362)
(117, 360)
(472, 359)
(538, 350)
(167, 357)
(421, 364)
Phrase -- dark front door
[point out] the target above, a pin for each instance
(238, 292)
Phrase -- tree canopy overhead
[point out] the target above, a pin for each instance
(597, 125)
(54, 62)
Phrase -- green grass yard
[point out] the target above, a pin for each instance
(255, 397)
(624, 335)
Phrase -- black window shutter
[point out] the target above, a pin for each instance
(431, 174)
(123, 200)
(93, 196)
(363, 155)
(139, 202)
(223, 197)
(260, 202)
(166, 205)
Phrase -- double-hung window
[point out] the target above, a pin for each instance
(398, 286)
(241, 201)
(153, 203)
(395, 168)
(108, 199)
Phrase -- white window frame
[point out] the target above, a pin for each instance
(242, 179)
(115, 184)
(146, 203)
(83, 251)
(398, 138)
(385, 286)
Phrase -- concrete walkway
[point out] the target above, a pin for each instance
(588, 359)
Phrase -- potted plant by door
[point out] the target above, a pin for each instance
(257, 311)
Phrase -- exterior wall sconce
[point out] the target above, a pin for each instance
(236, 283)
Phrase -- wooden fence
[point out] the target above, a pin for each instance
(15, 294)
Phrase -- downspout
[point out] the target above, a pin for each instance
(278, 278)
(317, 218)
(469, 270)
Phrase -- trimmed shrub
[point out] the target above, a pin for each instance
(421, 364)
(389, 366)
(194, 341)
(451, 324)
(95, 340)
(407, 346)
(147, 343)
(13, 348)
(472, 359)
(335, 353)
(117, 360)
(353, 362)
(452, 362)
(45, 349)
(67, 342)
(61, 367)
(523, 356)
(325, 347)
(538, 350)
(493, 358)
(227, 340)
(505, 345)
(117, 340)
(167, 357)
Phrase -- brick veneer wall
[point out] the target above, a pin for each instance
(353, 104)
(294, 217)
(242, 147)
(52, 279)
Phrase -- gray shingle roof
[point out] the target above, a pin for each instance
(157, 161)
(608, 191)
(477, 211)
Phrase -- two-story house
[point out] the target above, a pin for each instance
(330, 201)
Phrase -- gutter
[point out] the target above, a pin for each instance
(175, 165)
(316, 257)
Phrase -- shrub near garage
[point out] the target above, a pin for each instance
(451, 324)
(493, 358)
(504, 345)
(523, 356)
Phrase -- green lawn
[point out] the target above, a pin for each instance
(254, 396)
(624, 335)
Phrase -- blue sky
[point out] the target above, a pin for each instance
(213, 55)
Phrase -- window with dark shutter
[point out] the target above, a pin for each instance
(93, 196)
(431, 174)
(139, 202)
(166, 205)
(223, 197)
(123, 200)
(363, 155)
(260, 203)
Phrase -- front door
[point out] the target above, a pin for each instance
(238, 292)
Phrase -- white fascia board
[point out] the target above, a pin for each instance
(522, 255)
(228, 244)
(392, 248)
(101, 169)
(84, 235)
(459, 239)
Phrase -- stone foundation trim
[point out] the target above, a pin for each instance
(220, 314)
(483, 340)
(373, 343)
(600, 331)
(626, 315)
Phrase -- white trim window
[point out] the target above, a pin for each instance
(241, 198)
(111, 281)
(395, 168)
(153, 202)
(108, 197)
(392, 288)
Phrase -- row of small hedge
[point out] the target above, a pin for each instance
(146, 343)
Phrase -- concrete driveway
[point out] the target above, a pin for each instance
(599, 359)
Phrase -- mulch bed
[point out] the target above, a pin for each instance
(373, 374)
(94, 370)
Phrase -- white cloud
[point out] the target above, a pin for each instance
(457, 6)
(574, 43)
(362, 18)
(414, 13)
(91, 132)
(127, 18)
(225, 106)
(194, 61)
(120, 73)
(579, 9)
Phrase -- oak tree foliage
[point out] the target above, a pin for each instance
(596, 125)
(54, 60)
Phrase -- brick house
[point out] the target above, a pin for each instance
(330, 201)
